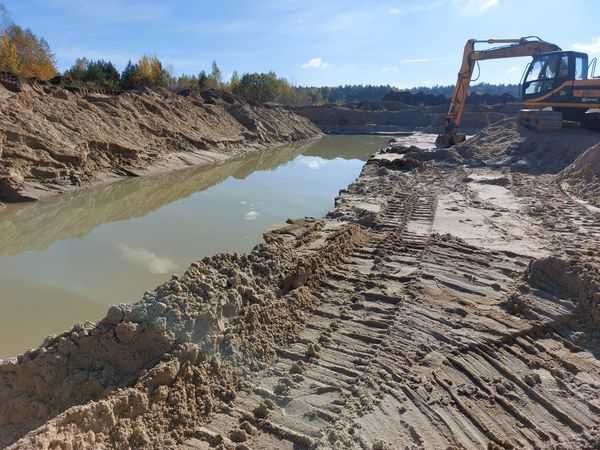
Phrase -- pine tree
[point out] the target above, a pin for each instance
(203, 81)
(216, 77)
(127, 81)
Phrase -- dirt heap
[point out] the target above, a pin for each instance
(576, 279)
(583, 176)
(505, 143)
(54, 139)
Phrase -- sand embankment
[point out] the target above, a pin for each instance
(54, 139)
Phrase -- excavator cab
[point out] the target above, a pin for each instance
(547, 72)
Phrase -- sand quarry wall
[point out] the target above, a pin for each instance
(346, 120)
(54, 139)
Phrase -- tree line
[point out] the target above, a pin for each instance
(259, 87)
(481, 88)
(27, 55)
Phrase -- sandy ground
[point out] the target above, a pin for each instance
(438, 305)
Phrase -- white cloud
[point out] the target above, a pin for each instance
(251, 215)
(592, 47)
(395, 12)
(315, 63)
(514, 69)
(474, 7)
(145, 258)
(312, 162)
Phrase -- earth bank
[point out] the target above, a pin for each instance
(54, 139)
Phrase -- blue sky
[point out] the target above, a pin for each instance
(311, 42)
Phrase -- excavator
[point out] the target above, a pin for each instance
(555, 85)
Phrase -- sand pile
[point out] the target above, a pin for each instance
(505, 143)
(577, 280)
(53, 139)
(583, 176)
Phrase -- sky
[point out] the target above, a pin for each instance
(403, 43)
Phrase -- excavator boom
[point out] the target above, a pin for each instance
(525, 46)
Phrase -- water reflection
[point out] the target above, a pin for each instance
(65, 259)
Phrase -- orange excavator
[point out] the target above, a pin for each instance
(555, 85)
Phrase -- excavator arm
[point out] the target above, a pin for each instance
(525, 46)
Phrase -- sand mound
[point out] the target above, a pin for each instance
(507, 143)
(583, 176)
(569, 279)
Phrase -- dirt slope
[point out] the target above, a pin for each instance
(505, 144)
(442, 307)
(348, 120)
(583, 176)
(53, 139)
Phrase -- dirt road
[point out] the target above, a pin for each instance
(437, 306)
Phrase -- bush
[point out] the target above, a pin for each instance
(259, 87)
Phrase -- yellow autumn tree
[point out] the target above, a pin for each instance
(9, 60)
(149, 71)
(28, 55)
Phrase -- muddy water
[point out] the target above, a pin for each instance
(65, 260)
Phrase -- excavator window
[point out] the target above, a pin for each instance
(563, 68)
(542, 74)
(580, 68)
(546, 72)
